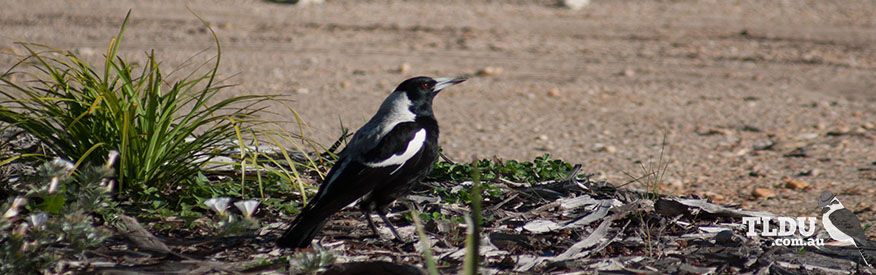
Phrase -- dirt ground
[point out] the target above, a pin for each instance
(749, 94)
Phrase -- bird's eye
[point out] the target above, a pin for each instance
(428, 85)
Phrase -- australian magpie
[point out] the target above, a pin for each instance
(384, 159)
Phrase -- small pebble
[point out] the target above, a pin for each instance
(490, 71)
(714, 196)
(554, 92)
(716, 131)
(795, 184)
(404, 68)
(813, 173)
(575, 4)
(763, 193)
(599, 147)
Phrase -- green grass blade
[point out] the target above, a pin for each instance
(424, 243)
(472, 257)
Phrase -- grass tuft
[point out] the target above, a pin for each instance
(165, 127)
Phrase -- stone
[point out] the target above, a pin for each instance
(404, 68)
(795, 184)
(490, 71)
(574, 4)
(713, 196)
(763, 193)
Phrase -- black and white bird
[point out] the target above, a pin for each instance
(385, 158)
(841, 224)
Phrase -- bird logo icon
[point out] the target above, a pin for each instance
(841, 224)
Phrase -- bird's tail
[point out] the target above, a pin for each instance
(302, 230)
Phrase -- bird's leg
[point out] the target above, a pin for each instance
(445, 158)
(861, 251)
(371, 224)
(382, 213)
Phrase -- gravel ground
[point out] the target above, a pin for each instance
(748, 94)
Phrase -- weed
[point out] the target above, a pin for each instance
(311, 262)
(542, 168)
(652, 180)
(475, 222)
(62, 212)
(165, 130)
(424, 243)
(653, 172)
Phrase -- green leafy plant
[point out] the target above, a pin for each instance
(541, 169)
(311, 262)
(62, 213)
(166, 127)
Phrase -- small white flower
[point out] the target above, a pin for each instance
(53, 185)
(111, 158)
(11, 212)
(64, 164)
(21, 229)
(38, 220)
(13, 209)
(247, 207)
(109, 186)
(218, 204)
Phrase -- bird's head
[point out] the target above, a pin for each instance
(826, 198)
(421, 90)
(834, 204)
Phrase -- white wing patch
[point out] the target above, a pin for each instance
(414, 146)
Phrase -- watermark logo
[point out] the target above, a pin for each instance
(786, 228)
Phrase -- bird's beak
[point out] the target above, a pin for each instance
(444, 82)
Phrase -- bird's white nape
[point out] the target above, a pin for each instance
(413, 147)
(399, 111)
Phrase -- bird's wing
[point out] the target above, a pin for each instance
(397, 146)
(847, 222)
(346, 182)
(365, 139)
(357, 171)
